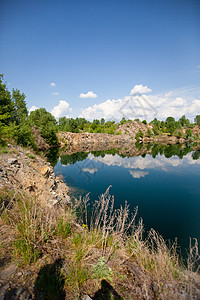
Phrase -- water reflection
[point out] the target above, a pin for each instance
(163, 157)
(162, 180)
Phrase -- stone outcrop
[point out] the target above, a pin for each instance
(131, 128)
(85, 142)
(39, 141)
(124, 139)
(20, 170)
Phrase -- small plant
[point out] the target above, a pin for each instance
(64, 229)
(179, 134)
(139, 135)
(24, 248)
(76, 276)
(30, 156)
(119, 133)
(102, 271)
(149, 133)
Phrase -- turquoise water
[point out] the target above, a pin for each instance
(165, 189)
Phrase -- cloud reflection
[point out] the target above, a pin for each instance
(134, 164)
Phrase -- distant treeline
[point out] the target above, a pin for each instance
(16, 124)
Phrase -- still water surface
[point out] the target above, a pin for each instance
(166, 188)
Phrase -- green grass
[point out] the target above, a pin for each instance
(103, 249)
(31, 156)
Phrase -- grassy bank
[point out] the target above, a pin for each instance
(106, 256)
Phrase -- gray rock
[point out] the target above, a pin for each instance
(12, 161)
(3, 289)
(7, 272)
(86, 297)
(52, 202)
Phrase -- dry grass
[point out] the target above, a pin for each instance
(106, 245)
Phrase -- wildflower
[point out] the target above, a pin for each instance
(84, 226)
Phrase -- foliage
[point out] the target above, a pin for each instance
(149, 133)
(197, 120)
(139, 135)
(184, 122)
(123, 121)
(64, 228)
(73, 158)
(47, 123)
(189, 133)
(6, 104)
(112, 248)
(20, 109)
(102, 271)
(23, 135)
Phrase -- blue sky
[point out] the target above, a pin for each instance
(105, 47)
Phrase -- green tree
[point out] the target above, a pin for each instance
(6, 104)
(62, 123)
(23, 134)
(20, 109)
(102, 121)
(40, 118)
(123, 121)
(184, 122)
(196, 155)
(149, 133)
(170, 124)
(197, 120)
(96, 121)
(47, 123)
(188, 133)
(81, 122)
(170, 120)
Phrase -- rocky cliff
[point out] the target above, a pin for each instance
(78, 142)
(21, 170)
(124, 139)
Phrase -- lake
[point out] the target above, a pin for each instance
(164, 183)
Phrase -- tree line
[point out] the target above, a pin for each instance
(17, 124)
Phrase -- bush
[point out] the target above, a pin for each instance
(23, 135)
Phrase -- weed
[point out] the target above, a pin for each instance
(76, 276)
(64, 229)
(30, 156)
(102, 271)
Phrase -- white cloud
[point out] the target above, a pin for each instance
(138, 174)
(55, 93)
(90, 170)
(52, 84)
(194, 108)
(89, 94)
(140, 89)
(173, 103)
(32, 108)
(178, 102)
(61, 109)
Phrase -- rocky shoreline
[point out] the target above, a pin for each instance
(21, 170)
